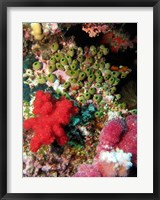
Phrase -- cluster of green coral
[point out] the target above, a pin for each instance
(81, 74)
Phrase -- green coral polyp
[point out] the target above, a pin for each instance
(113, 90)
(107, 65)
(73, 67)
(111, 80)
(80, 83)
(97, 98)
(71, 52)
(99, 79)
(36, 65)
(87, 71)
(105, 51)
(115, 74)
(75, 74)
(55, 47)
(69, 59)
(98, 85)
(52, 60)
(91, 78)
(52, 68)
(41, 80)
(96, 65)
(72, 80)
(92, 91)
(82, 99)
(98, 73)
(59, 66)
(123, 75)
(82, 76)
(87, 95)
(98, 114)
(51, 78)
(80, 58)
(116, 82)
(66, 85)
(63, 61)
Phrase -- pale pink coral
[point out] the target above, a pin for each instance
(94, 29)
(88, 171)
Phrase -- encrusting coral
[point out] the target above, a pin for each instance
(51, 115)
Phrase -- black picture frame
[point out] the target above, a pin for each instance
(4, 4)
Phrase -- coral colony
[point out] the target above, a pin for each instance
(79, 100)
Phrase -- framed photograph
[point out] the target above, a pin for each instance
(79, 99)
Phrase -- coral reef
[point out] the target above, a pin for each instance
(50, 117)
(79, 100)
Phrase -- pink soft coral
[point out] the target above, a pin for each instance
(112, 132)
(129, 141)
(116, 149)
(51, 116)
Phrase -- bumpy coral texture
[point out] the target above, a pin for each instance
(121, 134)
(112, 132)
(129, 141)
(51, 115)
(116, 134)
(87, 171)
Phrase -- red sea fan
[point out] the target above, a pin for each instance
(51, 116)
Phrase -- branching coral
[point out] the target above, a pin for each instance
(51, 116)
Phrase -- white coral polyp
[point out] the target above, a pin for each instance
(119, 157)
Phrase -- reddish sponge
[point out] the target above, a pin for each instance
(51, 115)
(111, 134)
(121, 134)
(129, 141)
